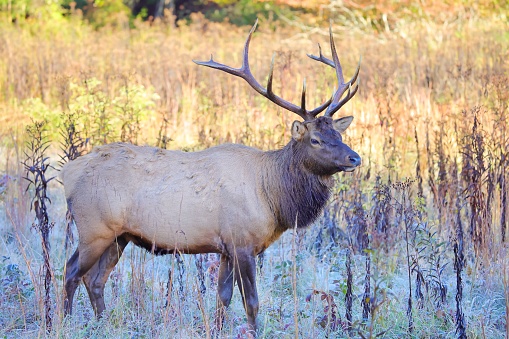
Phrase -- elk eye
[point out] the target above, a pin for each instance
(315, 142)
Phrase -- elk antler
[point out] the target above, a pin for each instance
(244, 72)
(336, 103)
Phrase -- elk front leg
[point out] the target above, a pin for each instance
(96, 277)
(224, 289)
(245, 269)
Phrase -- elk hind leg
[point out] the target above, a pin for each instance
(71, 281)
(224, 289)
(80, 262)
(95, 279)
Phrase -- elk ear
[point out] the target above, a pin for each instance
(342, 124)
(298, 130)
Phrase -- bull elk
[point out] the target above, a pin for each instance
(230, 199)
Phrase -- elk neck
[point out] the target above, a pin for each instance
(294, 194)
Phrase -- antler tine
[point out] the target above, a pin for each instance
(271, 73)
(335, 58)
(342, 86)
(321, 58)
(303, 96)
(336, 103)
(244, 72)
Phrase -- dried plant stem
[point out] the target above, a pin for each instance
(36, 165)
(294, 283)
(366, 299)
(349, 290)
(503, 203)
(409, 267)
(418, 164)
(458, 266)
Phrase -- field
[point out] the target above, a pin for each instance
(412, 244)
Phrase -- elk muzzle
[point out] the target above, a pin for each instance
(351, 161)
(354, 159)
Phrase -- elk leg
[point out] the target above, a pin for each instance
(71, 284)
(79, 263)
(199, 259)
(96, 277)
(245, 276)
(224, 289)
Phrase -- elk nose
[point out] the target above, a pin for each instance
(354, 159)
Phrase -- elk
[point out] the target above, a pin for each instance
(229, 199)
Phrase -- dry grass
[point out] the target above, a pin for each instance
(423, 84)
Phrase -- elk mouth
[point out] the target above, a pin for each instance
(347, 168)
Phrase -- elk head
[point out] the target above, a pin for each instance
(319, 138)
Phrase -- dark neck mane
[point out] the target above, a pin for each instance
(294, 194)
